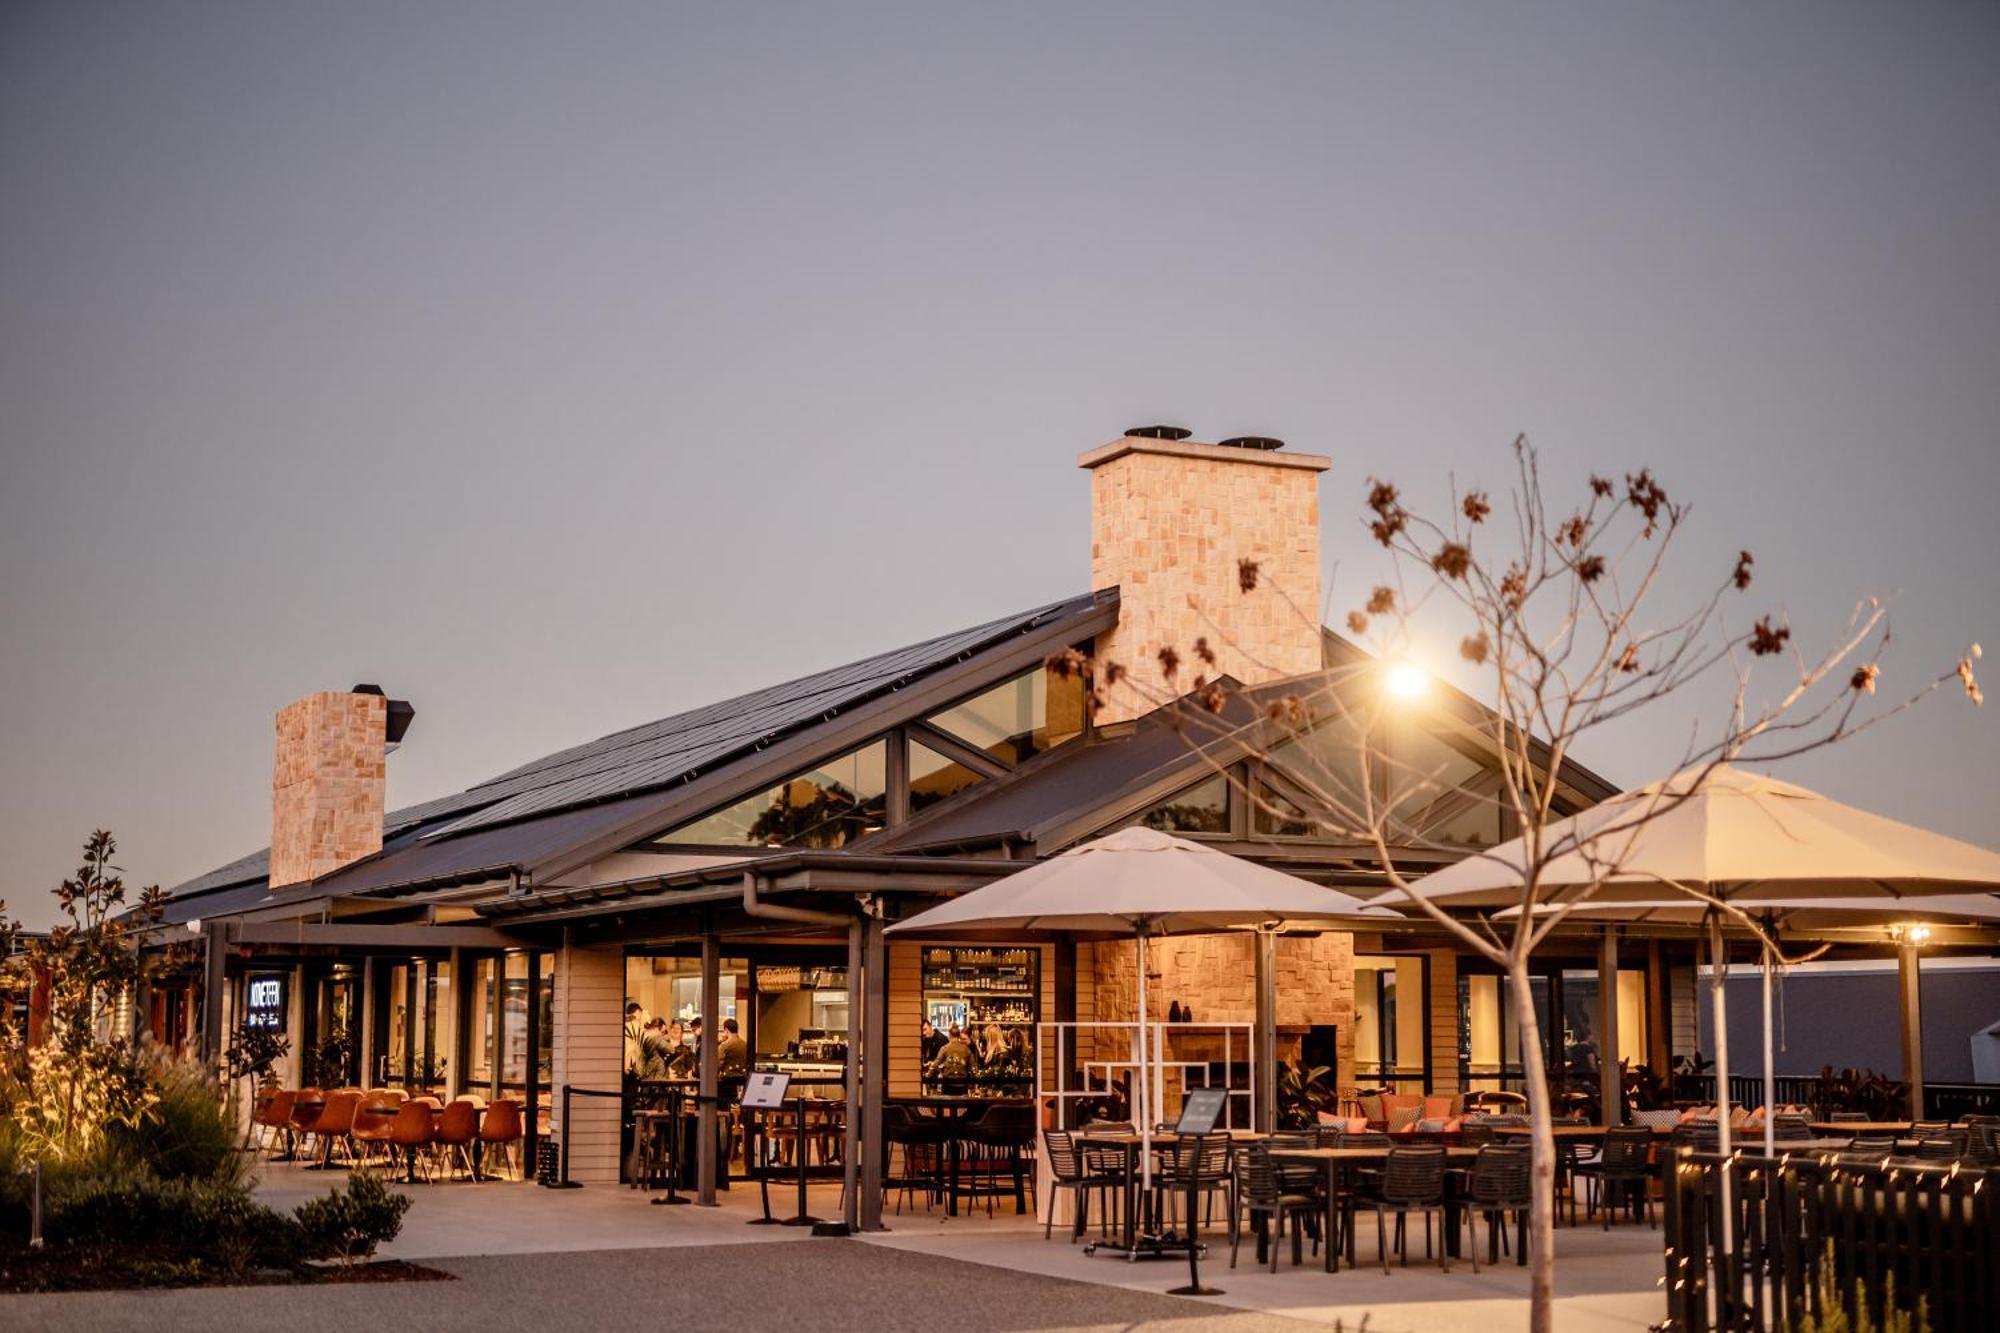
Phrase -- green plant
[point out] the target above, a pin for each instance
(1832, 1314)
(188, 1131)
(190, 1229)
(327, 1067)
(255, 1053)
(1303, 1094)
(349, 1226)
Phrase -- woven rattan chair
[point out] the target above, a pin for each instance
(1623, 1166)
(1269, 1203)
(1412, 1181)
(1499, 1184)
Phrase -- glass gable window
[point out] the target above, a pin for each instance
(1328, 760)
(1278, 816)
(934, 777)
(828, 805)
(1019, 718)
(1202, 808)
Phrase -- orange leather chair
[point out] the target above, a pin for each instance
(500, 1133)
(414, 1128)
(335, 1125)
(273, 1115)
(307, 1104)
(457, 1128)
(373, 1117)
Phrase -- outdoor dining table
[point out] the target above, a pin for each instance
(1130, 1145)
(1336, 1162)
(949, 1111)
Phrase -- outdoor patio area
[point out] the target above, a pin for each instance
(1609, 1279)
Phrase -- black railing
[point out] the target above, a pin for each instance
(1953, 1101)
(1930, 1232)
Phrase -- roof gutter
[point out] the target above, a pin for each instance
(755, 907)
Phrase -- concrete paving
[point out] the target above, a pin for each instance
(528, 1257)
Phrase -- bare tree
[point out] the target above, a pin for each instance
(1560, 613)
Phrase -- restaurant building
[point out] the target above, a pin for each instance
(741, 860)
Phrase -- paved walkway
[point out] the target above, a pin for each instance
(557, 1259)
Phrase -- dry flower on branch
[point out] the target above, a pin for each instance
(1474, 648)
(1452, 560)
(1203, 651)
(1863, 679)
(1357, 623)
(1741, 578)
(1170, 662)
(1600, 486)
(1591, 568)
(1766, 639)
(1390, 516)
(1381, 601)
(1246, 575)
(1476, 506)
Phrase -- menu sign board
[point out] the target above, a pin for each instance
(1201, 1110)
(264, 1005)
(764, 1092)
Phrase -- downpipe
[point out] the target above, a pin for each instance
(756, 907)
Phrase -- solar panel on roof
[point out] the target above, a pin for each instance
(659, 753)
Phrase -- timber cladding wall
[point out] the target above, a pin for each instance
(590, 1053)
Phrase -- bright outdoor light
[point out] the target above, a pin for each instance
(1407, 680)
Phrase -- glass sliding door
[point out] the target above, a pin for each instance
(1392, 1022)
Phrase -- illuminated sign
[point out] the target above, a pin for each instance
(266, 1003)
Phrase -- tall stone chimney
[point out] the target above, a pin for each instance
(1170, 520)
(327, 783)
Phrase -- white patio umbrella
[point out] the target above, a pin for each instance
(1806, 915)
(1141, 882)
(1735, 835)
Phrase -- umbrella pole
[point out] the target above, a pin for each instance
(1770, 1066)
(1140, 1101)
(1721, 1010)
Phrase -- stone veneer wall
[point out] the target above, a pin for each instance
(1214, 975)
(327, 784)
(1169, 522)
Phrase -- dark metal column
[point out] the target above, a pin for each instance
(711, 1028)
(532, 1093)
(1264, 1052)
(850, 1144)
(215, 959)
(365, 1010)
(1610, 1078)
(1910, 992)
(874, 1070)
(1064, 1055)
(457, 997)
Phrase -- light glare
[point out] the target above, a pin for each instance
(1407, 680)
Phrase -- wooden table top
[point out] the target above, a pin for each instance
(1862, 1126)
(1574, 1131)
(1124, 1139)
(1362, 1154)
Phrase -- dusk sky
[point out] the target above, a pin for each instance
(560, 367)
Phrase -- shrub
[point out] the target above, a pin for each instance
(349, 1226)
(201, 1228)
(189, 1130)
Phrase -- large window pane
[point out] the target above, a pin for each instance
(1023, 717)
(514, 995)
(1203, 808)
(829, 805)
(934, 777)
(479, 1036)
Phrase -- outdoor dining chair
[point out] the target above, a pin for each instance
(457, 1128)
(1499, 1184)
(1871, 1145)
(1947, 1146)
(1412, 1181)
(414, 1128)
(273, 1118)
(1205, 1158)
(920, 1139)
(1623, 1166)
(1068, 1171)
(500, 1136)
(1268, 1203)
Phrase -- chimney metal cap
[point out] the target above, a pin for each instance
(1157, 433)
(1264, 442)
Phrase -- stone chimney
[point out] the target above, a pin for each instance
(327, 783)
(1170, 520)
